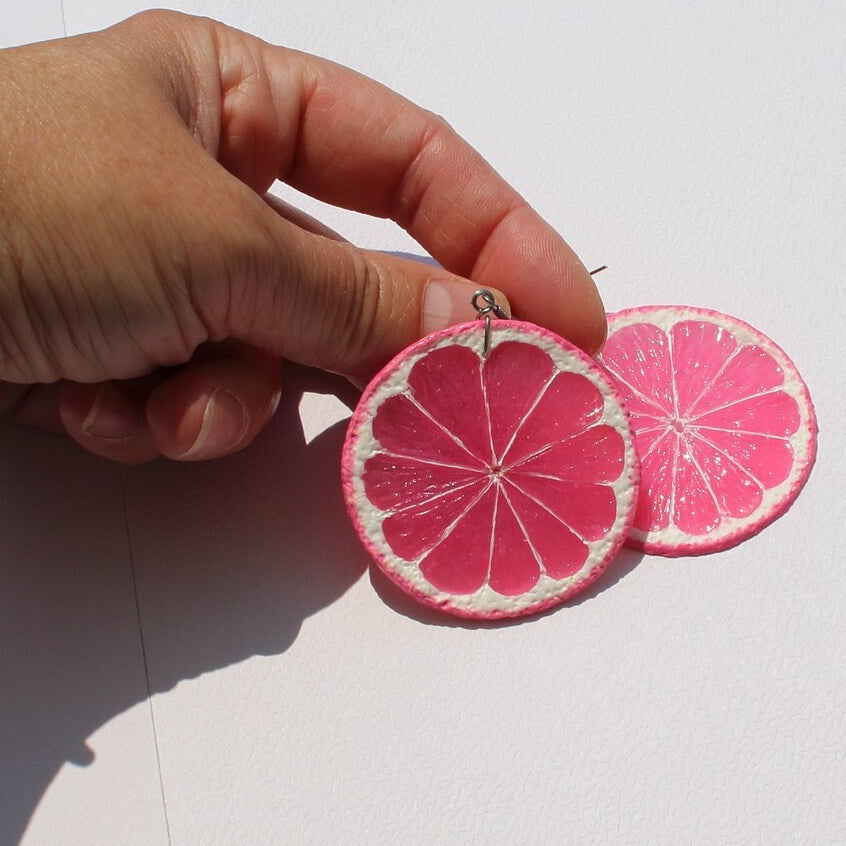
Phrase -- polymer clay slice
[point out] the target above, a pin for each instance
(491, 485)
(724, 426)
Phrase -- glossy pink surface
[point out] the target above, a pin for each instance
(491, 486)
(484, 459)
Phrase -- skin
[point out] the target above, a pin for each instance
(148, 287)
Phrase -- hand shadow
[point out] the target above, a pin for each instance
(228, 559)
(225, 560)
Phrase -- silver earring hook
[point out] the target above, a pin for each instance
(491, 306)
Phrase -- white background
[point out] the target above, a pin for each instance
(200, 655)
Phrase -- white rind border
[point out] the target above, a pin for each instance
(361, 445)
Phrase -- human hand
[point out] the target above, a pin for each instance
(148, 289)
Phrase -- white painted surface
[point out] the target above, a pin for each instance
(77, 742)
(698, 150)
(34, 20)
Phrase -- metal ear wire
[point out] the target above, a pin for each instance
(491, 306)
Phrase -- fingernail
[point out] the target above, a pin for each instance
(112, 416)
(224, 426)
(445, 303)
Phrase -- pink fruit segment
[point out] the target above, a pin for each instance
(768, 460)
(707, 348)
(514, 567)
(566, 407)
(454, 564)
(394, 481)
(587, 508)
(771, 413)
(723, 425)
(731, 487)
(643, 355)
(413, 530)
(561, 550)
(656, 472)
(493, 485)
(447, 386)
(515, 374)
(694, 510)
(595, 454)
(406, 431)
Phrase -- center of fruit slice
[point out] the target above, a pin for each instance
(495, 485)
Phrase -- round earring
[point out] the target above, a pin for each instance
(490, 469)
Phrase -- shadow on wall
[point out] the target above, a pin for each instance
(231, 556)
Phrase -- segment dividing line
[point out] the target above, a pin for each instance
(655, 443)
(745, 470)
(526, 416)
(665, 427)
(524, 532)
(547, 447)
(548, 511)
(714, 379)
(431, 461)
(443, 428)
(770, 392)
(487, 581)
(538, 475)
(673, 387)
(638, 393)
(449, 529)
(722, 513)
(487, 405)
(424, 502)
(673, 477)
(699, 427)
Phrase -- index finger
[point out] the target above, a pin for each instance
(347, 140)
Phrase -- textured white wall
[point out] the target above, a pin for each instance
(22, 23)
(698, 150)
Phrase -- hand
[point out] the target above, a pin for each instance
(148, 289)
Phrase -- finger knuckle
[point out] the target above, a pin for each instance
(156, 20)
(354, 317)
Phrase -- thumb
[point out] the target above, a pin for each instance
(329, 304)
